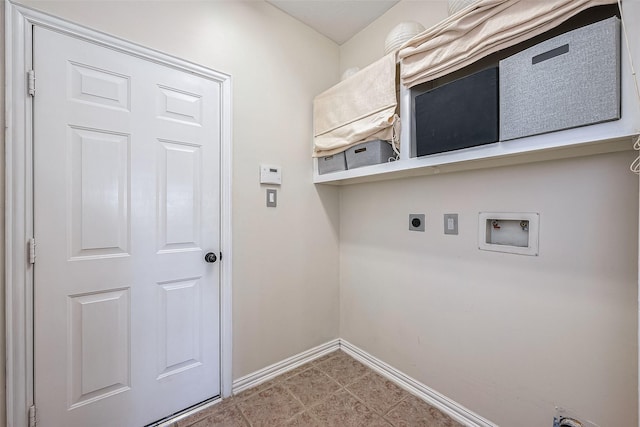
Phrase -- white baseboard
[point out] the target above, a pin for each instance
(270, 372)
(454, 410)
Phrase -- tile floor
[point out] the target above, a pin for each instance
(334, 390)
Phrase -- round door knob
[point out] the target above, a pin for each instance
(210, 257)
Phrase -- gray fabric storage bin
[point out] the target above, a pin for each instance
(333, 163)
(568, 81)
(369, 153)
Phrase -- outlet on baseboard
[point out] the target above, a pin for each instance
(565, 418)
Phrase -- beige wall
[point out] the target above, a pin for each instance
(508, 336)
(368, 45)
(285, 275)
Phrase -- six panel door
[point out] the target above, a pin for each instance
(126, 205)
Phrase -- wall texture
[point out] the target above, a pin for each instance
(368, 45)
(508, 336)
(285, 275)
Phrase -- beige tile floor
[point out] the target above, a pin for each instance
(334, 390)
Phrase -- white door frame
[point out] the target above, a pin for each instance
(19, 22)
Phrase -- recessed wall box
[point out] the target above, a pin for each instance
(568, 81)
(334, 163)
(270, 174)
(515, 233)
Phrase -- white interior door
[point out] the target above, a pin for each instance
(126, 205)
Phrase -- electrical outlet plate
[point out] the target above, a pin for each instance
(562, 413)
(416, 222)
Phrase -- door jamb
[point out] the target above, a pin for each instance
(19, 21)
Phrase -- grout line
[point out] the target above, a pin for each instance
(304, 408)
(328, 376)
(288, 375)
(387, 420)
(256, 389)
(369, 407)
(448, 407)
(307, 408)
(244, 417)
(406, 394)
(275, 370)
(359, 400)
(343, 361)
(320, 402)
(382, 414)
(313, 417)
(283, 379)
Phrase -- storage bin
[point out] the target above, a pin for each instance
(334, 163)
(568, 81)
(459, 114)
(369, 153)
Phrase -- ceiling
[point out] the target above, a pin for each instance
(339, 20)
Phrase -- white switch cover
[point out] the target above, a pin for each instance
(450, 223)
(270, 174)
(272, 197)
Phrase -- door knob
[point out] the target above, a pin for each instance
(210, 257)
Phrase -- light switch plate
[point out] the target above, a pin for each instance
(270, 174)
(450, 223)
(272, 197)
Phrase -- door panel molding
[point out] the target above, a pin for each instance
(19, 23)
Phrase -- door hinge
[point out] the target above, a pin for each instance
(32, 251)
(31, 82)
(32, 416)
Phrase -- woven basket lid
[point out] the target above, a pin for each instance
(457, 5)
(401, 33)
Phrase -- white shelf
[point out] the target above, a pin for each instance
(607, 137)
(488, 156)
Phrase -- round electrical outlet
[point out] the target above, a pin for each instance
(416, 222)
